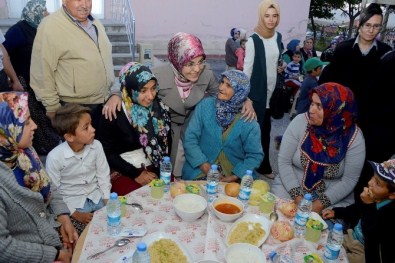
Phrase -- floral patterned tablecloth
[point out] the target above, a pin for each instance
(204, 238)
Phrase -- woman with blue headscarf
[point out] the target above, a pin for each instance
(292, 46)
(216, 134)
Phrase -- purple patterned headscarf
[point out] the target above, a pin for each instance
(182, 48)
(226, 110)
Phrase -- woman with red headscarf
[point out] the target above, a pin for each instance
(322, 151)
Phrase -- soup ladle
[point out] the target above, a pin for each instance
(119, 243)
(136, 205)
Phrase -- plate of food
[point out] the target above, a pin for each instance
(252, 229)
(316, 216)
(159, 242)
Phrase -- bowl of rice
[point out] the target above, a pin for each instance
(189, 207)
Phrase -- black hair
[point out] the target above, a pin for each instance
(243, 40)
(372, 10)
(297, 52)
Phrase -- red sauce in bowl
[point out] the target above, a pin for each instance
(227, 208)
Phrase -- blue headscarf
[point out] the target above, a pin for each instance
(226, 110)
(233, 31)
(293, 44)
(25, 163)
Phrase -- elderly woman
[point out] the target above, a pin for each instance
(322, 151)
(183, 83)
(140, 135)
(29, 203)
(217, 134)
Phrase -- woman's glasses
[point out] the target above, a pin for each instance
(375, 27)
(192, 65)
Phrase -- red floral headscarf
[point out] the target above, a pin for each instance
(326, 145)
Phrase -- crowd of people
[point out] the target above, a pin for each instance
(57, 82)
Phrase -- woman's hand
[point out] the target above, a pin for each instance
(84, 218)
(145, 177)
(248, 112)
(317, 206)
(69, 234)
(229, 179)
(65, 255)
(328, 214)
(111, 107)
(282, 67)
(205, 167)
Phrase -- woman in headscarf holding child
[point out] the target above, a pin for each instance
(322, 151)
(31, 209)
(136, 141)
(217, 134)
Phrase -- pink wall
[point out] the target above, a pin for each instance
(211, 20)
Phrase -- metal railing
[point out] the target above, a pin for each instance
(121, 11)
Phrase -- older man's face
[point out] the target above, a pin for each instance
(79, 9)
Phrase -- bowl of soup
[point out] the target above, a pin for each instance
(227, 208)
(189, 207)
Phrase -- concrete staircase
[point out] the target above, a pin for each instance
(116, 33)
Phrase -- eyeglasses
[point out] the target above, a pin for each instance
(191, 65)
(370, 26)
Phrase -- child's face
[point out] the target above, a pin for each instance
(27, 134)
(378, 189)
(243, 45)
(296, 58)
(84, 133)
(225, 90)
(317, 72)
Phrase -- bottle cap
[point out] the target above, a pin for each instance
(338, 227)
(249, 172)
(113, 195)
(214, 167)
(141, 246)
(272, 255)
(307, 197)
(166, 158)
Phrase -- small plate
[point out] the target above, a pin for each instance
(316, 216)
(151, 238)
(243, 252)
(252, 218)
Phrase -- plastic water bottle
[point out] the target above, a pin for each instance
(278, 258)
(141, 255)
(165, 172)
(333, 244)
(246, 188)
(302, 215)
(113, 215)
(212, 182)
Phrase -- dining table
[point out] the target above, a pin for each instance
(204, 238)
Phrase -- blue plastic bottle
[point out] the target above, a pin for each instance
(141, 255)
(113, 215)
(165, 172)
(246, 187)
(333, 244)
(302, 215)
(212, 182)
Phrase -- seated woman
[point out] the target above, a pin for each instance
(322, 151)
(28, 202)
(217, 134)
(139, 137)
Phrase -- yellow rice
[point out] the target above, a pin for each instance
(246, 232)
(166, 250)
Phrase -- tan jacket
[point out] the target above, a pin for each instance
(67, 65)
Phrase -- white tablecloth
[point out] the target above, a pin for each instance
(204, 238)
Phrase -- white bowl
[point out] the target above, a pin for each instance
(246, 253)
(189, 206)
(227, 200)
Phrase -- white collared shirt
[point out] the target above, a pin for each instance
(79, 176)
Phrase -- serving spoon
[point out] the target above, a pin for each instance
(119, 243)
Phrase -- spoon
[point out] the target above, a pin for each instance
(273, 215)
(136, 205)
(119, 243)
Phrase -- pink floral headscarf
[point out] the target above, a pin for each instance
(182, 48)
(25, 163)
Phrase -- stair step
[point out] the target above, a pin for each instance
(120, 47)
(117, 37)
(121, 58)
